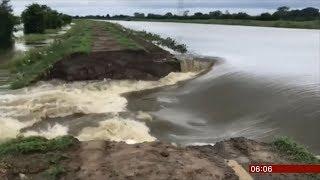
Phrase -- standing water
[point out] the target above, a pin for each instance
(267, 86)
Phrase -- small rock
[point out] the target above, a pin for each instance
(164, 153)
(23, 176)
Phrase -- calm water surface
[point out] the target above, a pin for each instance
(267, 86)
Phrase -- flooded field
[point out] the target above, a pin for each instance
(267, 85)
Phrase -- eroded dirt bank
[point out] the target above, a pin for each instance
(111, 160)
(110, 58)
(123, 64)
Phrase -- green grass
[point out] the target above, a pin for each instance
(35, 38)
(167, 42)
(155, 38)
(294, 151)
(54, 172)
(27, 145)
(150, 37)
(37, 62)
(121, 36)
(279, 23)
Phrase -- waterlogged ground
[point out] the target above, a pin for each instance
(267, 86)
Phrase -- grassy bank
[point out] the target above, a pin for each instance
(153, 38)
(38, 153)
(121, 36)
(279, 23)
(36, 62)
(294, 151)
(35, 144)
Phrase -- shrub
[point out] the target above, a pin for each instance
(34, 19)
(294, 151)
(37, 18)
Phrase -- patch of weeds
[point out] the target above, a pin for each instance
(121, 36)
(54, 172)
(27, 145)
(294, 151)
(155, 38)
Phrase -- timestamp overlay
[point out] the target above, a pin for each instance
(284, 168)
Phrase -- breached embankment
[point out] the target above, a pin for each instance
(50, 108)
(100, 160)
(33, 110)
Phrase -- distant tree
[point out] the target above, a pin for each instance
(215, 14)
(139, 15)
(108, 16)
(226, 15)
(168, 15)
(53, 20)
(198, 14)
(283, 9)
(7, 21)
(282, 12)
(33, 19)
(310, 13)
(241, 15)
(185, 13)
(265, 17)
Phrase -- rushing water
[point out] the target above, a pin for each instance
(267, 86)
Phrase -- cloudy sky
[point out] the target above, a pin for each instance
(103, 7)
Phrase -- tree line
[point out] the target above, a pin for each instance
(282, 13)
(36, 19)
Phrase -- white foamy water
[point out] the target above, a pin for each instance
(118, 129)
(50, 132)
(23, 108)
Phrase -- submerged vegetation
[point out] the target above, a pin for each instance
(39, 38)
(157, 39)
(294, 151)
(167, 42)
(37, 62)
(27, 145)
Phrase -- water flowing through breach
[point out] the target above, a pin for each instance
(100, 104)
(267, 86)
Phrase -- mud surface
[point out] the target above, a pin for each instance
(110, 60)
(111, 160)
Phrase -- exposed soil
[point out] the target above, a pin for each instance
(99, 160)
(110, 60)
